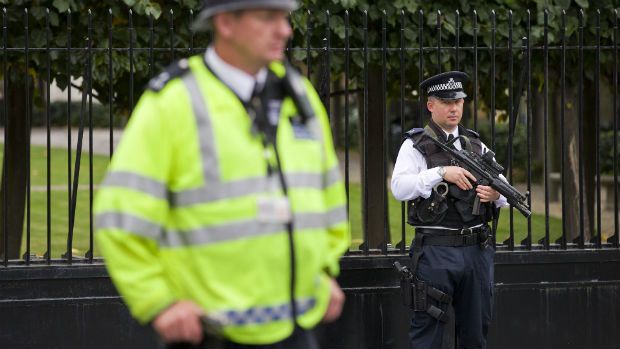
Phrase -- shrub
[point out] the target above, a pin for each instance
(58, 116)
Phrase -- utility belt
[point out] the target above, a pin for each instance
(455, 238)
(416, 292)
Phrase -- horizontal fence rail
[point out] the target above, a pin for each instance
(545, 95)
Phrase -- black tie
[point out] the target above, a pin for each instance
(450, 138)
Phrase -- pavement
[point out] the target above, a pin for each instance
(59, 136)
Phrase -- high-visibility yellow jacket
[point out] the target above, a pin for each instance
(177, 215)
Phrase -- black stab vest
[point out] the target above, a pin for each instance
(460, 202)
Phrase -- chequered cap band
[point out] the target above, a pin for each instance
(450, 85)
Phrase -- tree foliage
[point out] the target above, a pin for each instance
(402, 17)
(407, 18)
(68, 23)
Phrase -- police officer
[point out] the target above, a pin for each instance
(451, 255)
(223, 209)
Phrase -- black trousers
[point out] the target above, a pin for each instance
(465, 273)
(300, 339)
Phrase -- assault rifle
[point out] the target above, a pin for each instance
(487, 171)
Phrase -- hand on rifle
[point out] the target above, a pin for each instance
(486, 193)
(459, 176)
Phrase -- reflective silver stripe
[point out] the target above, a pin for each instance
(239, 230)
(239, 188)
(131, 223)
(215, 192)
(304, 180)
(213, 234)
(261, 315)
(218, 191)
(138, 182)
(309, 221)
(336, 216)
(332, 176)
(248, 228)
(210, 168)
(219, 233)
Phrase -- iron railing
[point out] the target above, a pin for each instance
(346, 80)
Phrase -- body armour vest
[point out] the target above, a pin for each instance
(448, 206)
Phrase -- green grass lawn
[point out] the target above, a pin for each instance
(59, 199)
(59, 210)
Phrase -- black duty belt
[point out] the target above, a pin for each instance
(453, 238)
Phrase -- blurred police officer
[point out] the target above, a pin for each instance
(452, 255)
(223, 210)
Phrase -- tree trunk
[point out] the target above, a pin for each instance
(538, 134)
(589, 160)
(375, 186)
(573, 164)
(15, 176)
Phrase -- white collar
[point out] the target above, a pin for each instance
(455, 133)
(239, 81)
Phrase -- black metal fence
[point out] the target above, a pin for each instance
(367, 77)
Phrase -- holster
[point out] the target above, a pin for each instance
(415, 296)
(416, 292)
(420, 303)
(406, 290)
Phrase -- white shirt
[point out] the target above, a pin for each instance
(412, 178)
(239, 81)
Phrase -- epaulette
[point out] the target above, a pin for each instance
(174, 70)
(473, 133)
(413, 132)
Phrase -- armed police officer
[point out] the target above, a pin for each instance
(223, 209)
(452, 257)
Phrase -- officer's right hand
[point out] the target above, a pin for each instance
(459, 176)
(180, 323)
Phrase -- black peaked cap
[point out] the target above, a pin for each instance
(448, 85)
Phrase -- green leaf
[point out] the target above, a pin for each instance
(408, 5)
(37, 38)
(299, 55)
(61, 5)
(583, 3)
(54, 19)
(410, 34)
(565, 4)
(154, 10)
(189, 3)
(38, 12)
